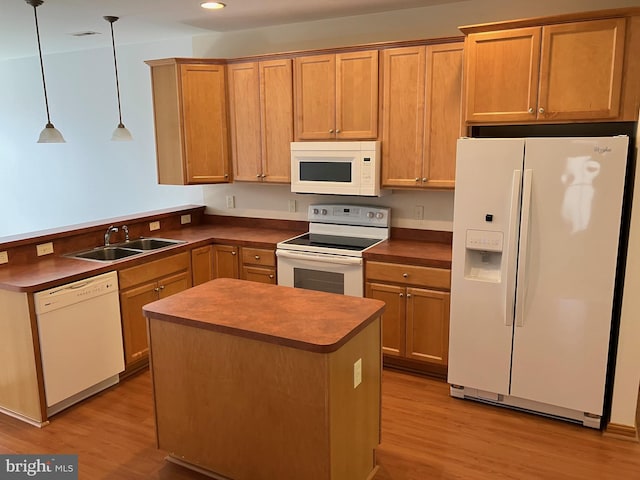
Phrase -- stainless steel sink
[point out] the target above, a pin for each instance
(124, 249)
(106, 254)
(149, 243)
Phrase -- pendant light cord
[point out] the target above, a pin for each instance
(115, 64)
(44, 85)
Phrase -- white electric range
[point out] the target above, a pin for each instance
(329, 257)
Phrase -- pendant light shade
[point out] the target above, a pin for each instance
(121, 133)
(49, 134)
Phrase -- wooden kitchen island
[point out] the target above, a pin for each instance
(261, 382)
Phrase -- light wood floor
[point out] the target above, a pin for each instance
(425, 435)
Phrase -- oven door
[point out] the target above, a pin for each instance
(322, 272)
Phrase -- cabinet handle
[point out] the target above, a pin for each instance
(405, 275)
(257, 257)
(541, 110)
(226, 175)
(338, 130)
(271, 275)
(408, 295)
(331, 130)
(156, 289)
(531, 110)
(161, 287)
(233, 253)
(424, 179)
(264, 175)
(401, 295)
(417, 179)
(258, 176)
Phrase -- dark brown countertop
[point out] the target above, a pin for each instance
(57, 270)
(414, 252)
(294, 317)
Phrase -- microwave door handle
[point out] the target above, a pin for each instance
(328, 258)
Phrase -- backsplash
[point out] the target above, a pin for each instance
(272, 201)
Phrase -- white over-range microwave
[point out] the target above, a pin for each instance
(337, 168)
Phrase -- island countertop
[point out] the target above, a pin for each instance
(303, 319)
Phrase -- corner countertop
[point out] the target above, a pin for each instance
(58, 270)
(293, 317)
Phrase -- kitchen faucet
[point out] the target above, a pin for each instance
(107, 235)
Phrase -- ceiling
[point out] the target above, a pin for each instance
(152, 20)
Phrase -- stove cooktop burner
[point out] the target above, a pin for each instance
(332, 241)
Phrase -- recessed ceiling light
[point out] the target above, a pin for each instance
(212, 5)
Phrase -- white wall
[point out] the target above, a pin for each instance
(89, 177)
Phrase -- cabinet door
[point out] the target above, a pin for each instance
(581, 70)
(276, 98)
(428, 325)
(315, 97)
(357, 95)
(225, 261)
(443, 116)
(259, 274)
(244, 120)
(173, 284)
(403, 96)
(393, 318)
(134, 323)
(202, 264)
(204, 117)
(502, 75)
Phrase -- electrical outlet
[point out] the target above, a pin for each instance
(184, 219)
(231, 201)
(154, 226)
(357, 373)
(4, 257)
(418, 212)
(292, 206)
(44, 248)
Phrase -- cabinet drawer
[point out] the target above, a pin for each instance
(409, 274)
(154, 269)
(258, 256)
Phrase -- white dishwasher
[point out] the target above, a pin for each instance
(80, 339)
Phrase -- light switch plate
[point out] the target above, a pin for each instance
(154, 226)
(4, 257)
(418, 212)
(231, 201)
(357, 373)
(185, 219)
(44, 249)
(292, 206)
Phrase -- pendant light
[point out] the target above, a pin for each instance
(49, 134)
(121, 133)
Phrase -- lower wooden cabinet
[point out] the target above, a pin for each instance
(246, 263)
(202, 264)
(144, 284)
(415, 324)
(258, 265)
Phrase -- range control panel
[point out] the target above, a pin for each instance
(350, 215)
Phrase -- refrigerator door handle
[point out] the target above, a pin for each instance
(509, 285)
(524, 244)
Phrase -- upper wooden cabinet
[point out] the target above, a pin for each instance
(561, 72)
(336, 96)
(421, 115)
(190, 113)
(261, 119)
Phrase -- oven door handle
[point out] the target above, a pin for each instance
(324, 258)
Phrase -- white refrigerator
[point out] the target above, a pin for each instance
(535, 244)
